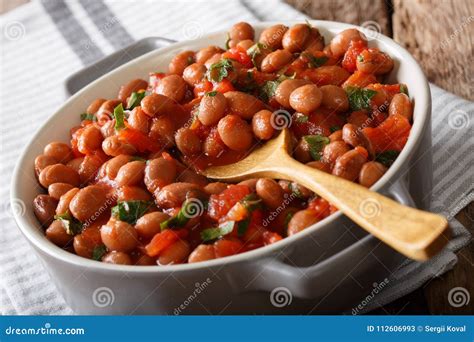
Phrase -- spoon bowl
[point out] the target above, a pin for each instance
(415, 233)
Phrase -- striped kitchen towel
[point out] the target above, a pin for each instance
(45, 41)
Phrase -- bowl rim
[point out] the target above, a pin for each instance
(422, 108)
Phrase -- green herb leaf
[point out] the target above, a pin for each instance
(387, 158)
(360, 58)
(333, 129)
(212, 93)
(220, 70)
(137, 158)
(70, 223)
(215, 233)
(190, 60)
(316, 144)
(130, 211)
(251, 202)
(403, 89)
(242, 226)
(98, 252)
(135, 99)
(119, 117)
(90, 117)
(183, 216)
(254, 51)
(301, 118)
(315, 62)
(359, 98)
(288, 218)
(295, 190)
(267, 91)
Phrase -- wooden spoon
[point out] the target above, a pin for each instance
(416, 234)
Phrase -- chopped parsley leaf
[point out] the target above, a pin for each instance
(215, 233)
(359, 98)
(135, 99)
(119, 117)
(316, 145)
(90, 117)
(254, 51)
(71, 225)
(315, 62)
(220, 70)
(387, 158)
(98, 252)
(130, 211)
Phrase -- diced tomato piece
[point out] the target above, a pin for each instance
(142, 142)
(329, 74)
(74, 147)
(167, 156)
(202, 88)
(350, 57)
(239, 54)
(271, 237)
(359, 79)
(390, 90)
(163, 240)
(154, 80)
(261, 77)
(319, 122)
(320, 206)
(378, 117)
(219, 205)
(227, 247)
(237, 213)
(392, 134)
(251, 246)
(255, 230)
(224, 86)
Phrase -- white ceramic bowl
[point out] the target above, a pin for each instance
(309, 265)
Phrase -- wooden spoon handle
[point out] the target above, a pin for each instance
(415, 233)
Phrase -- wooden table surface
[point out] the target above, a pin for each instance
(439, 34)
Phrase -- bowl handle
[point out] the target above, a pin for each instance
(83, 77)
(319, 280)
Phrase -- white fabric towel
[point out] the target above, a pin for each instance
(44, 42)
